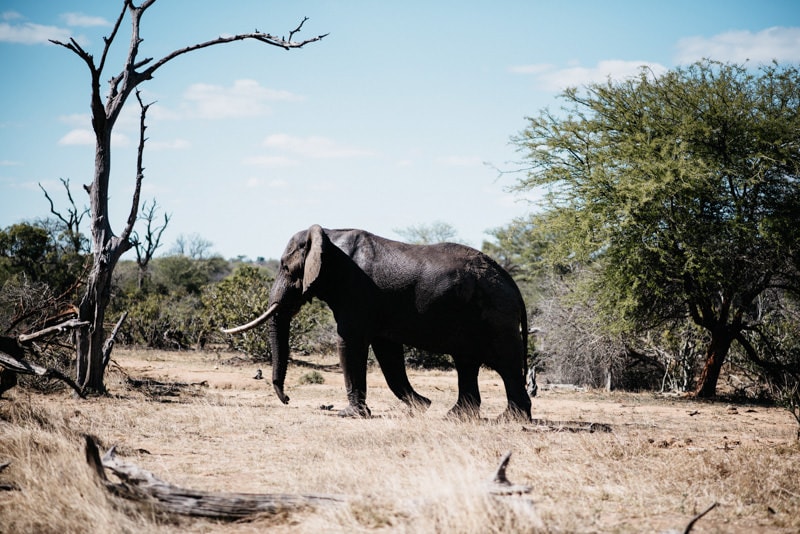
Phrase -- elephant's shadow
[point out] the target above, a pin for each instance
(329, 368)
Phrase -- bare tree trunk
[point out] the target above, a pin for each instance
(107, 249)
(721, 340)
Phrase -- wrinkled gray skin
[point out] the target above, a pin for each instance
(445, 298)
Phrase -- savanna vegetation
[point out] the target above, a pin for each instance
(663, 266)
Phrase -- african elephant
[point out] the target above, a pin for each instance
(446, 298)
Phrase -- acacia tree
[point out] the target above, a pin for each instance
(107, 247)
(682, 191)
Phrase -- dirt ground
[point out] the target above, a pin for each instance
(673, 418)
(201, 420)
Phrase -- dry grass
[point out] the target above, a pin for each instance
(665, 461)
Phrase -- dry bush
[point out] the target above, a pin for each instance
(666, 460)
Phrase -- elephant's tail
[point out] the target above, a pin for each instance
(524, 331)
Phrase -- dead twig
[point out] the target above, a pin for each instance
(500, 485)
(694, 520)
(5, 486)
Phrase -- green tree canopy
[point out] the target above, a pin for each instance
(682, 190)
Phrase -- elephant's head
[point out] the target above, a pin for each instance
(300, 268)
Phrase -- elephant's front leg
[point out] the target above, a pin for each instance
(391, 359)
(353, 359)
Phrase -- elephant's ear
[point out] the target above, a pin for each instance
(315, 245)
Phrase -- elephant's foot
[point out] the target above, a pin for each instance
(464, 412)
(417, 403)
(515, 414)
(356, 412)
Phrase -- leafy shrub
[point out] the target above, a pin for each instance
(159, 321)
(243, 296)
(313, 329)
(312, 377)
(237, 300)
(423, 359)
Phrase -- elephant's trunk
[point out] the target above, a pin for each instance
(279, 341)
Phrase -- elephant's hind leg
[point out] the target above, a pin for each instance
(469, 397)
(390, 358)
(508, 363)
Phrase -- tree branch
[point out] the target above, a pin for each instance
(133, 215)
(75, 47)
(266, 38)
(112, 337)
(110, 39)
(60, 327)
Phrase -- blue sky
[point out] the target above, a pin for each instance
(399, 117)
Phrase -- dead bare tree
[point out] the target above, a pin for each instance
(107, 247)
(145, 250)
(72, 221)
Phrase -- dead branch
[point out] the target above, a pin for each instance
(108, 345)
(543, 425)
(58, 328)
(140, 485)
(694, 520)
(500, 485)
(14, 365)
(12, 361)
(133, 215)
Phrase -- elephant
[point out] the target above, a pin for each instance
(446, 298)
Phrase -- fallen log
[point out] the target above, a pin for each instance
(140, 485)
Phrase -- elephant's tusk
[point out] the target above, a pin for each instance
(255, 322)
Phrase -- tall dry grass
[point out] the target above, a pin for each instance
(401, 473)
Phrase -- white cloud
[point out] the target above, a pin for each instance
(79, 19)
(77, 137)
(76, 119)
(9, 163)
(551, 78)
(246, 98)
(314, 147)
(29, 33)
(776, 43)
(81, 137)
